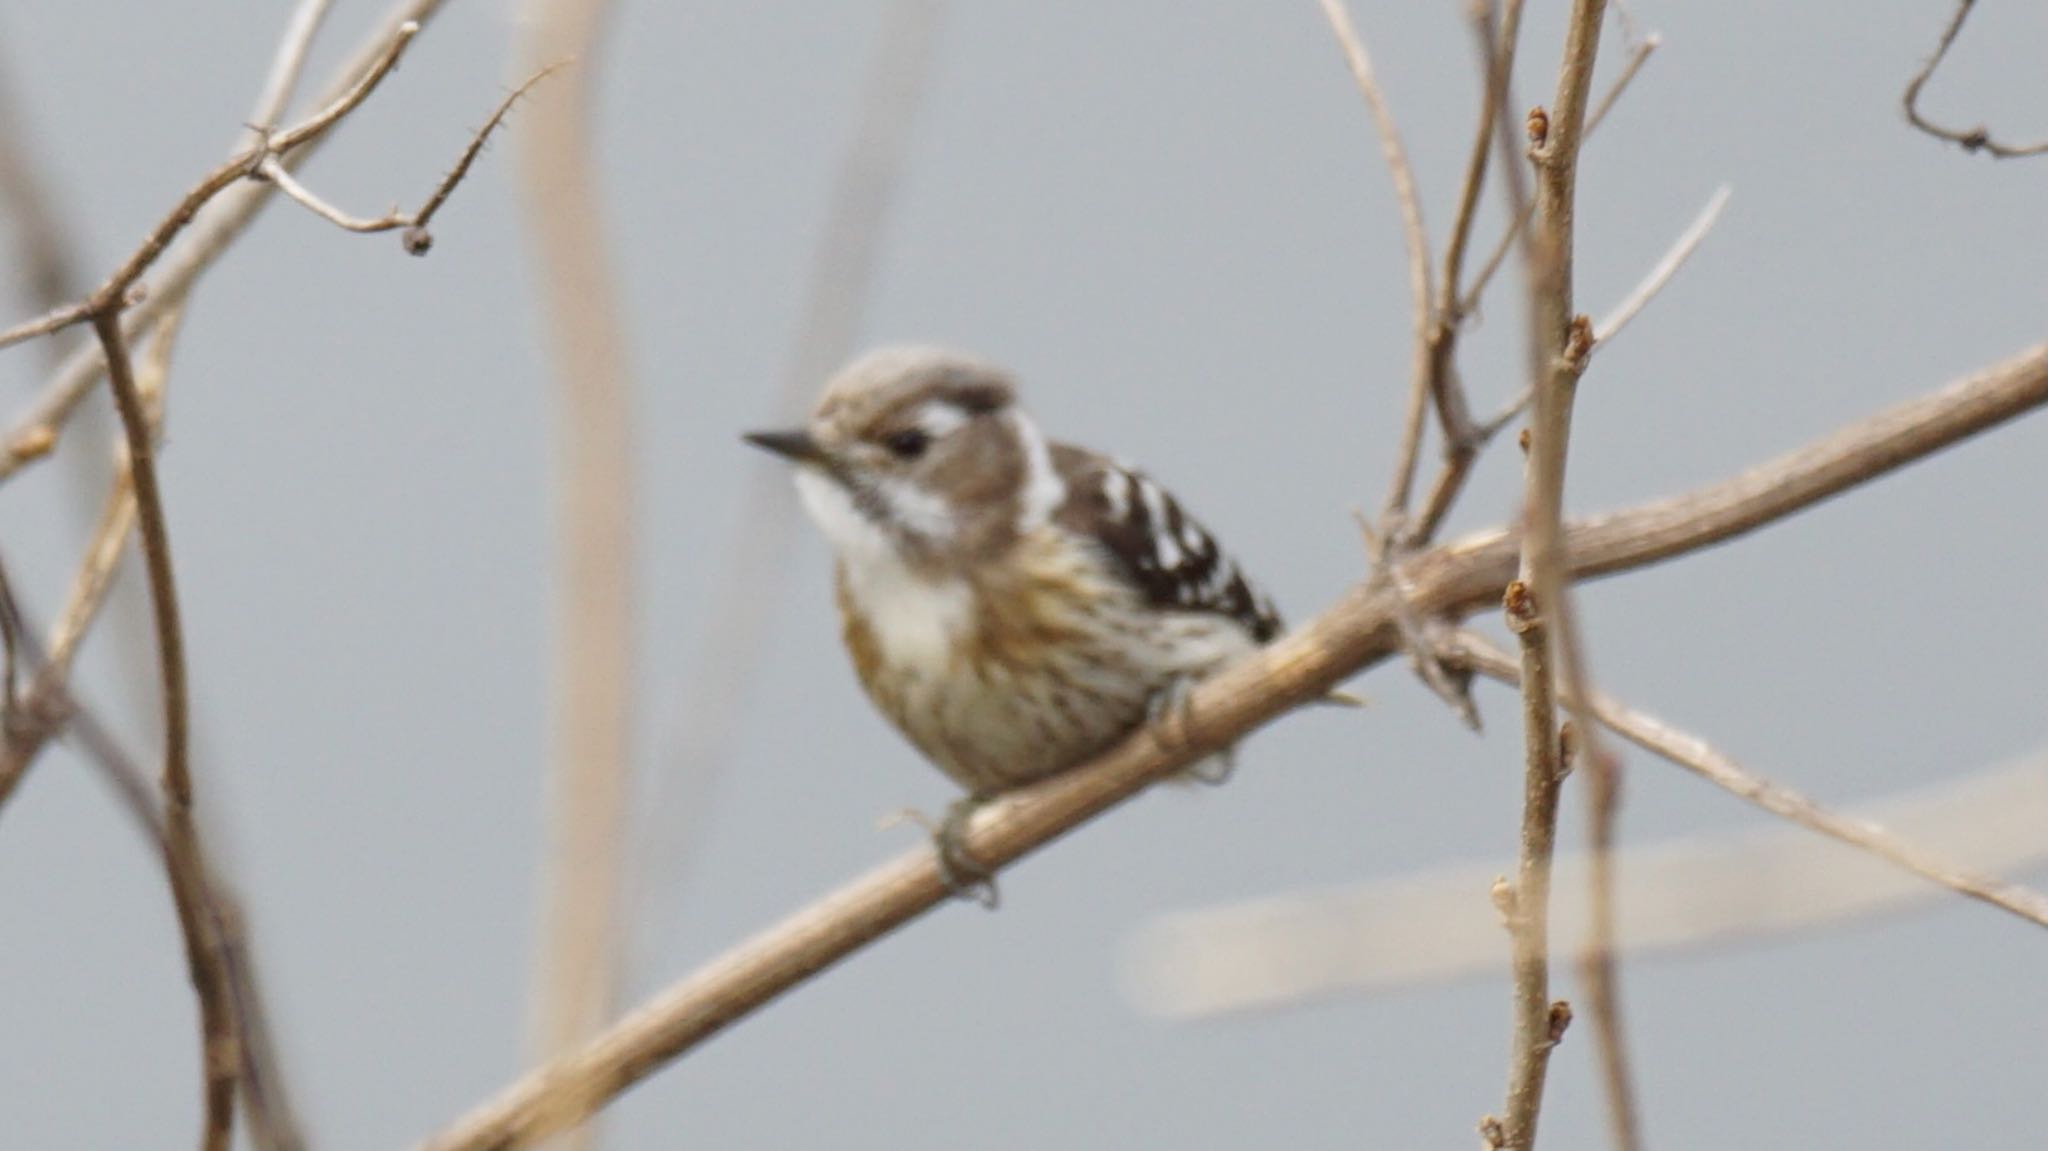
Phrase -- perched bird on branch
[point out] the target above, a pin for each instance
(1014, 606)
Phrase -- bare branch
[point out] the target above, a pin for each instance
(1462, 440)
(1414, 235)
(1525, 903)
(1977, 139)
(1681, 251)
(53, 320)
(219, 1057)
(1559, 342)
(212, 231)
(1357, 632)
(1638, 56)
(417, 239)
(1702, 759)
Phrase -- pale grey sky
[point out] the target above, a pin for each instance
(1173, 221)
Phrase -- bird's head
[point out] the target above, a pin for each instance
(922, 455)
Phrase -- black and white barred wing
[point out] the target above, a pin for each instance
(1172, 559)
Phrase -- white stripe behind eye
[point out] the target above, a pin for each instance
(939, 418)
(1044, 491)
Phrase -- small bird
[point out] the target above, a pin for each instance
(1014, 606)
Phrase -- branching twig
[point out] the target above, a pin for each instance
(1977, 139)
(222, 220)
(1638, 56)
(1462, 440)
(285, 67)
(111, 295)
(1357, 632)
(417, 239)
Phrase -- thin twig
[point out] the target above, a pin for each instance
(1977, 139)
(285, 67)
(1687, 243)
(1699, 757)
(417, 239)
(1638, 56)
(193, 885)
(54, 320)
(1357, 632)
(111, 294)
(1525, 903)
(1462, 440)
(1559, 342)
(220, 1059)
(1414, 236)
(217, 226)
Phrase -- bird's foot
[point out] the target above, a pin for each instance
(965, 877)
(1170, 717)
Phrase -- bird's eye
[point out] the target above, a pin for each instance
(907, 444)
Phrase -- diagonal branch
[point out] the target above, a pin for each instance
(1702, 759)
(1357, 632)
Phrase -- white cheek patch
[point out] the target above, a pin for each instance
(1044, 491)
(920, 512)
(915, 621)
(851, 534)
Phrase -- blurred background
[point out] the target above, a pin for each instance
(1172, 220)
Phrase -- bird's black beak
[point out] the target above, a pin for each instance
(794, 445)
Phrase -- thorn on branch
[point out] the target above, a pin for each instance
(1491, 1134)
(1523, 439)
(1567, 748)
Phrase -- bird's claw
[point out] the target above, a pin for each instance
(965, 877)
